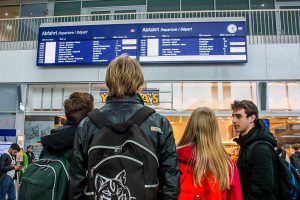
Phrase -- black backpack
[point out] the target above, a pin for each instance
(288, 179)
(122, 163)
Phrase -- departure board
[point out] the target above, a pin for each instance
(170, 42)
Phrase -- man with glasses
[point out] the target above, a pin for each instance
(257, 170)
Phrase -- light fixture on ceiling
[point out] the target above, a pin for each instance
(6, 14)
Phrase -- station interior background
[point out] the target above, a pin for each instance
(42, 103)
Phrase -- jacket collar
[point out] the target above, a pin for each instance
(259, 132)
(70, 122)
(126, 99)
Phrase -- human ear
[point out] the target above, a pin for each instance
(252, 118)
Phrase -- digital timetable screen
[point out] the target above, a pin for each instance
(170, 42)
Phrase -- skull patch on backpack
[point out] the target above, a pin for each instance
(114, 188)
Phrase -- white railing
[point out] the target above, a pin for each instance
(263, 26)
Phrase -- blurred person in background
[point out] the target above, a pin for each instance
(295, 158)
(8, 168)
(30, 154)
(283, 154)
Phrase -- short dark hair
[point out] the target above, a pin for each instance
(15, 146)
(249, 107)
(29, 146)
(78, 105)
(296, 146)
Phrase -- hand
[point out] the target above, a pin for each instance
(17, 167)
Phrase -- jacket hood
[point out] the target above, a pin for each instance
(185, 153)
(259, 132)
(60, 139)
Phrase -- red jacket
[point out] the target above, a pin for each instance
(209, 189)
(235, 191)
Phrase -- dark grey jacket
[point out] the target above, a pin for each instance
(5, 164)
(258, 178)
(118, 111)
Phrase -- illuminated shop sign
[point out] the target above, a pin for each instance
(169, 42)
(149, 95)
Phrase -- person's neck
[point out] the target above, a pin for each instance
(252, 125)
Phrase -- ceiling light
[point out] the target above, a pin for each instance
(6, 14)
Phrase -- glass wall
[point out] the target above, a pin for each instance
(216, 95)
(232, 4)
(197, 5)
(34, 10)
(74, 7)
(283, 96)
(67, 8)
(105, 3)
(165, 97)
(51, 97)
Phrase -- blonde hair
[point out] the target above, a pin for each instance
(124, 76)
(210, 156)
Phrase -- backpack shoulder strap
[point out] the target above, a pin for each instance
(251, 146)
(98, 118)
(141, 115)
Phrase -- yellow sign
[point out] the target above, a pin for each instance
(149, 96)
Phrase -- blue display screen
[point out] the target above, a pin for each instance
(173, 42)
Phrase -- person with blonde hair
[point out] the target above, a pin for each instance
(124, 79)
(206, 169)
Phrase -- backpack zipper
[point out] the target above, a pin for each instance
(119, 147)
(152, 186)
(60, 163)
(112, 157)
(48, 166)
